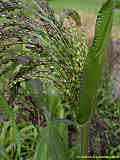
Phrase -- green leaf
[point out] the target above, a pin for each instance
(94, 63)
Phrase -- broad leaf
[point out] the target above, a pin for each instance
(94, 62)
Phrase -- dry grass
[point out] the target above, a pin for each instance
(88, 21)
(115, 32)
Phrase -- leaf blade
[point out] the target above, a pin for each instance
(94, 63)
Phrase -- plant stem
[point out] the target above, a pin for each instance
(84, 138)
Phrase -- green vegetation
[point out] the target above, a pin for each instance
(49, 81)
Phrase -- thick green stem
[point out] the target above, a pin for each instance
(84, 139)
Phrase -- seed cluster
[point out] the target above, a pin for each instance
(47, 50)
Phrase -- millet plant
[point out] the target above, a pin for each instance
(34, 44)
